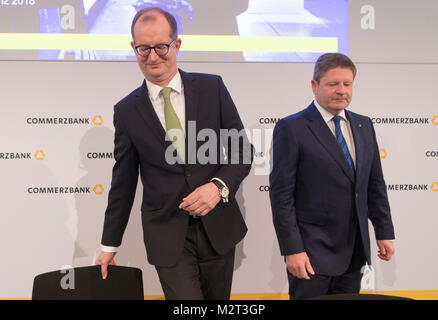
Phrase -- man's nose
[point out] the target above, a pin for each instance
(341, 89)
(153, 56)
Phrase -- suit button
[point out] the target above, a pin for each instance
(188, 174)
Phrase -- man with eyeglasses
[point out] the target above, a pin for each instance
(191, 220)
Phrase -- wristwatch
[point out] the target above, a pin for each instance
(223, 190)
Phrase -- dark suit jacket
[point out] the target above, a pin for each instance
(140, 146)
(317, 200)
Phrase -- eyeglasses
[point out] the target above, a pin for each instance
(160, 49)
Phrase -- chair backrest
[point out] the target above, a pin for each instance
(86, 283)
(358, 296)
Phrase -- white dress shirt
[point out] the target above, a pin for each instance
(345, 128)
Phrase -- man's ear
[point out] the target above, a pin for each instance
(314, 85)
(178, 43)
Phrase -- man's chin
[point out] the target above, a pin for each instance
(154, 71)
(339, 106)
(153, 74)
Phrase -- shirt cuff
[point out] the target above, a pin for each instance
(215, 178)
(109, 249)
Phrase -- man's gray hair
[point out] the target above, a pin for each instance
(330, 61)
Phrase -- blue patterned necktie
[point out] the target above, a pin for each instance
(341, 140)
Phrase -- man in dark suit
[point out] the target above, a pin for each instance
(326, 182)
(190, 218)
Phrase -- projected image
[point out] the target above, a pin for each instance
(211, 30)
(305, 19)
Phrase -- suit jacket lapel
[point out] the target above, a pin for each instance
(191, 97)
(146, 110)
(359, 143)
(323, 133)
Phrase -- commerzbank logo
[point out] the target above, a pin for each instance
(268, 120)
(35, 155)
(97, 189)
(383, 153)
(263, 154)
(96, 120)
(406, 120)
(39, 155)
(414, 187)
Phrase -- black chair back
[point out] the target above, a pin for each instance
(86, 283)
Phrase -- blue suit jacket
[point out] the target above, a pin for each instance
(318, 202)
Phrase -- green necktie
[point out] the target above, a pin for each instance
(173, 123)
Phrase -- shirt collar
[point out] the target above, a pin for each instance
(327, 116)
(154, 90)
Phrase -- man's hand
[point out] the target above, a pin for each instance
(299, 265)
(105, 259)
(202, 200)
(386, 249)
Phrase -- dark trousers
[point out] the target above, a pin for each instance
(200, 273)
(320, 285)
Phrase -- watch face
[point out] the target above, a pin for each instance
(225, 192)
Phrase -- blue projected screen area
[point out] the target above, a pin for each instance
(211, 30)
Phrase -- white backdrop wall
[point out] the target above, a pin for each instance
(42, 232)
